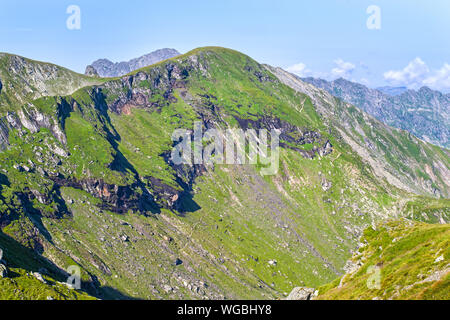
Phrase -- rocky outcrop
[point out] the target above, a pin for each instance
(262, 77)
(115, 198)
(26, 80)
(165, 196)
(369, 138)
(28, 117)
(7, 123)
(34, 120)
(392, 91)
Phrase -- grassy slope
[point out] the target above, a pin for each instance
(414, 260)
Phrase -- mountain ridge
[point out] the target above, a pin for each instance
(108, 69)
(392, 91)
(424, 113)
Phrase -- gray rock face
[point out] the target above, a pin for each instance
(302, 293)
(106, 68)
(424, 113)
(326, 185)
(369, 148)
(38, 276)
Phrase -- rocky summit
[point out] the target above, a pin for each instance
(87, 183)
(106, 68)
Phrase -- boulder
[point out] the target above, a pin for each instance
(167, 288)
(273, 262)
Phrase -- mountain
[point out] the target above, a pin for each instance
(29, 276)
(23, 80)
(393, 154)
(86, 179)
(424, 113)
(410, 260)
(106, 68)
(392, 91)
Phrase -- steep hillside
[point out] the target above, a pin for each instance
(392, 91)
(87, 179)
(424, 113)
(397, 260)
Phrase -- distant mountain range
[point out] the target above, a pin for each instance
(87, 180)
(424, 113)
(107, 68)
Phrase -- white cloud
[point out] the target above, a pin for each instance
(299, 69)
(343, 69)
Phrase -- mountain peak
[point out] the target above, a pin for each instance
(107, 68)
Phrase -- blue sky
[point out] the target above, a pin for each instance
(325, 38)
